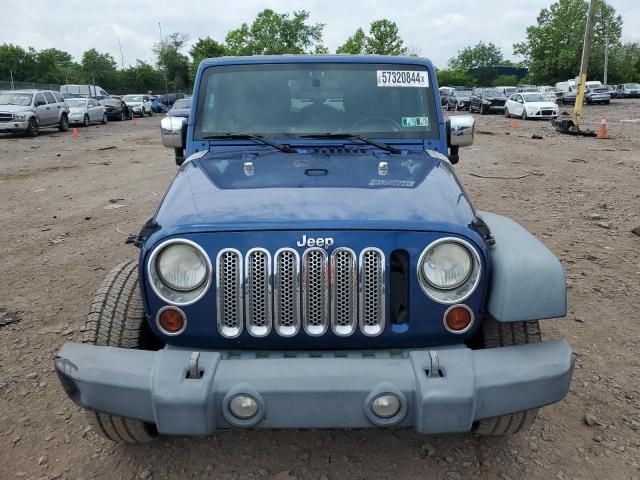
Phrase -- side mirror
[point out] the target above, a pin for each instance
(460, 131)
(39, 103)
(173, 131)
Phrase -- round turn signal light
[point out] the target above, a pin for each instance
(171, 321)
(458, 319)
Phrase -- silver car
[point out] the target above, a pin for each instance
(85, 111)
(140, 104)
(26, 111)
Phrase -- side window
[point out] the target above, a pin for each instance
(50, 98)
(58, 97)
(39, 100)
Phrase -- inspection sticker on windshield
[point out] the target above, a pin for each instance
(403, 78)
(409, 122)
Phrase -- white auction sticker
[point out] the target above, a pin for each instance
(403, 78)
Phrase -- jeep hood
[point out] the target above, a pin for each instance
(16, 108)
(315, 191)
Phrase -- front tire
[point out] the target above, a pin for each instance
(151, 112)
(117, 319)
(496, 334)
(104, 119)
(64, 124)
(32, 128)
(524, 114)
(506, 112)
(85, 121)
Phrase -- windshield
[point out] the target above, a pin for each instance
(392, 101)
(22, 99)
(492, 93)
(533, 97)
(132, 98)
(76, 103)
(183, 103)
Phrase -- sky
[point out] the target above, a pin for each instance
(434, 29)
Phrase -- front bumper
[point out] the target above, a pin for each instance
(543, 114)
(13, 127)
(315, 390)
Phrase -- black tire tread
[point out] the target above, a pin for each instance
(498, 334)
(116, 318)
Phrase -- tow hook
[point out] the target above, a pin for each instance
(194, 369)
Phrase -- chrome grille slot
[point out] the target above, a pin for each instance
(257, 291)
(315, 291)
(372, 291)
(344, 278)
(287, 292)
(229, 292)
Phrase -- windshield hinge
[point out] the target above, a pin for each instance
(483, 229)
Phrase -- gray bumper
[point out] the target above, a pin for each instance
(308, 390)
(12, 127)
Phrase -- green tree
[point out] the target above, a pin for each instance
(173, 63)
(205, 48)
(449, 78)
(16, 61)
(99, 68)
(505, 80)
(142, 77)
(55, 66)
(481, 56)
(553, 47)
(383, 39)
(273, 33)
(355, 44)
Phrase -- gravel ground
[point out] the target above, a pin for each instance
(70, 204)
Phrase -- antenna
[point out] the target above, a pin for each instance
(121, 54)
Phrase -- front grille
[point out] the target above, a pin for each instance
(229, 293)
(546, 112)
(315, 292)
(372, 291)
(286, 293)
(6, 117)
(257, 291)
(344, 278)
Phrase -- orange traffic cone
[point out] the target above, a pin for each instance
(75, 133)
(514, 123)
(602, 131)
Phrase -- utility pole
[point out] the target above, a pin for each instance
(606, 56)
(166, 86)
(12, 85)
(121, 54)
(584, 64)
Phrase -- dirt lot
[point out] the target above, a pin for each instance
(70, 204)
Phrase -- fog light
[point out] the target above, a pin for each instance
(386, 405)
(458, 319)
(171, 321)
(243, 407)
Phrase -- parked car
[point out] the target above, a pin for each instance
(85, 111)
(84, 91)
(507, 91)
(612, 89)
(530, 106)
(459, 100)
(444, 95)
(159, 104)
(597, 95)
(362, 288)
(628, 90)
(567, 97)
(487, 100)
(550, 96)
(116, 109)
(181, 108)
(524, 88)
(140, 105)
(172, 97)
(27, 111)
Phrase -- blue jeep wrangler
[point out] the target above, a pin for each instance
(316, 263)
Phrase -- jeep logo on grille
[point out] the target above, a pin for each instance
(305, 241)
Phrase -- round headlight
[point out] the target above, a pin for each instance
(447, 265)
(181, 267)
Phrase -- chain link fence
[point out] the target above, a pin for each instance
(9, 85)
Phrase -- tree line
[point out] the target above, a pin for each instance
(551, 52)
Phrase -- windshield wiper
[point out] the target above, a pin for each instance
(248, 136)
(346, 136)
